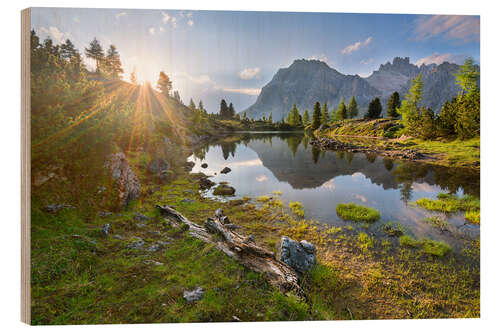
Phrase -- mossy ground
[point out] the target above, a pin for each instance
(449, 152)
(81, 276)
(449, 203)
(358, 213)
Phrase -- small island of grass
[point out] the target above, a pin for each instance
(357, 213)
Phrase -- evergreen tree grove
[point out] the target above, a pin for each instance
(352, 108)
(341, 110)
(325, 117)
(306, 119)
(393, 105)
(316, 118)
(374, 109)
(164, 84)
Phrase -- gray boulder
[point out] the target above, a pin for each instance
(106, 229)
(300, 256)
(225, 170)
(127, 182)
(194, 295)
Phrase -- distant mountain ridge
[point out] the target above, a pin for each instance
(307, 81)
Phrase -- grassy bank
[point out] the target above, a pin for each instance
(389, 134)
(82, 276)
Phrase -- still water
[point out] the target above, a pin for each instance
(263, 163)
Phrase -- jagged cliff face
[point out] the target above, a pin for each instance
(308, 81)
(305, 82)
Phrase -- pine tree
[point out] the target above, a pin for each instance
(270, 119)
(306, 119)
(192, 106)
(68, 50)
(374, 109)
(95, 51)
(231, 112)
(113, 63)
(352, 108)
(200, 107)
(133, 76)
(164, 84)
(293, 117)
(409, 109)
(316, 119)
(223, 112)
(325, 117)
(177, 97)
(341, 110)
(467, 76)
(333, 114)
(393, 105)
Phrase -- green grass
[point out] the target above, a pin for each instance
(394, 229)
(437, 222)
(458, 153)
(358, 213)
(473, 216)
(449, 203)
(365, 242)
(428, 246)
(297, 208)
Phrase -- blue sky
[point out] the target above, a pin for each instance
(220, 54)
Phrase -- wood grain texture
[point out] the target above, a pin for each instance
(25, 167)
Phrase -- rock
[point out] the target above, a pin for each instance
(140, 225)
(205, 183)
(193, 295)
(120, 237)
(188, 166)
(141, 217)
(300, 256)
(219, 213)
(137, 244)
(225, 170)
(236, 318)
(153, 262)
(55, 208)
(225, 220)
(204, 165)
(106, 229)
(126, 181)
(104, 214)
(158, 165)
(224, 189)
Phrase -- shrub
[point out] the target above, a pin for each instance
(297, 208)
(358, 213)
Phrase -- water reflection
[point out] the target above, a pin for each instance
(262, 163)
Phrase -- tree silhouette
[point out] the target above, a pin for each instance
(95, 51)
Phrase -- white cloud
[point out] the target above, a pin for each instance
(76, 19)
(361, 198)
(439, 58)
(244, 91)
(161, 29)
(53, 33)
(249, 73)
(262, 178)
(322, 57)
(151, 31)
(173, 21)
(189, 14)
(190, 23)
(465, 28)
(122, 14)
(356, 46)
(165, 17)
(366, 62)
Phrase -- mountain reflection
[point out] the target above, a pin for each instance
(291, 159)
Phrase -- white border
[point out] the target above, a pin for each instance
(10, 160)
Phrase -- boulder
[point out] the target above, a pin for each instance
(126, 181)
(224, 189)
(225, 170)
(106, 229)
(300, 256)
(55, 208)
(193, 295)
(205, 183)
(141, 217)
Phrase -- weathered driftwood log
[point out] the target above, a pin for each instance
(241, 248)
